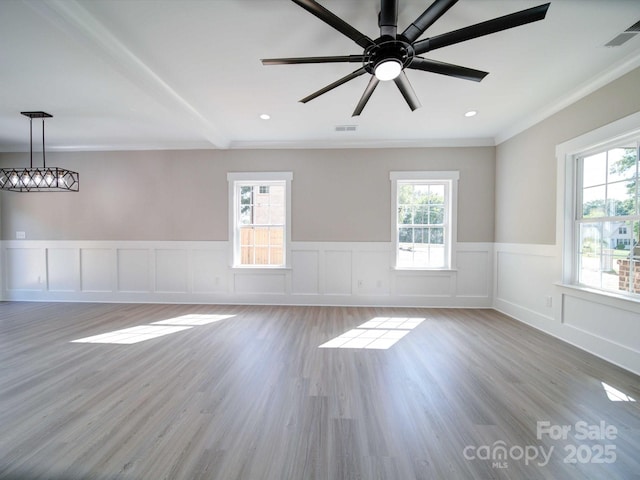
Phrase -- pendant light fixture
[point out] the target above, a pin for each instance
(38, 179)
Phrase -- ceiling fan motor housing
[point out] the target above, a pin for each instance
(385, 49)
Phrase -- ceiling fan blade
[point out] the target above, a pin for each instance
(448, 69)
(428, 17)
(373, 83)
(388, 18)
(407, 91)
(336, 22)
(292, 61)
(484, 28)
(335, 84)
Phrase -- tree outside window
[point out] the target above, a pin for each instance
(608, 221)
(424, 219)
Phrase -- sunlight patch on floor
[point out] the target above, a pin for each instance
(379, 333)
(131, 335)
(616, 395)
(128, 336)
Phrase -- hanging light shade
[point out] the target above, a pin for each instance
(38, 179)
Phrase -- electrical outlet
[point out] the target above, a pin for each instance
(21, 235)
(548, 301)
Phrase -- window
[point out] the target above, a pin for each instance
(260, 218)
(607, 220)
(424, 219)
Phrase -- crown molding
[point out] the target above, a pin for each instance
(363, 144)
(612, 73)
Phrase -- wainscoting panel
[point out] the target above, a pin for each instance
(134, 274)
(612, 324)
(474, 267)
(338, 270)
(260, 283)
(305, 272)
(420, 284)
(373, 269)
(172, 270)
(97, 270)
(63, 269)
(209, 270)
(321, 273)
(25, 269)
(525, 278)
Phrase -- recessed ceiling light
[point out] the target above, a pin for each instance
(471, 113)
(265, 116)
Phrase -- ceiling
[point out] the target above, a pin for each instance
(180, 74)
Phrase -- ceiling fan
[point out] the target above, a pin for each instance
(387, 57)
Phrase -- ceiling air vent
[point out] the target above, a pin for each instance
(346, 128)
(625, 36)
(634, 28)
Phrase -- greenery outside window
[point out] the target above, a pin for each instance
(424, 219)
(607, 224)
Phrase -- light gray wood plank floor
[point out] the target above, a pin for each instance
(252, 396)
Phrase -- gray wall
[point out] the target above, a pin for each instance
(338, 195)
(526, 164)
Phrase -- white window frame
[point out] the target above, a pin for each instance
(450, 179)
(235, 181)
(567, 153)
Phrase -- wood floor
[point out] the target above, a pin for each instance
(462, 395)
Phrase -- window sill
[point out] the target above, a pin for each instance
(256, 268)
(612, 299)
(417, 270)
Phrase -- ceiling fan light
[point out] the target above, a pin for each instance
(388, 69)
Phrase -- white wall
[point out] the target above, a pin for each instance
(321, 273)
